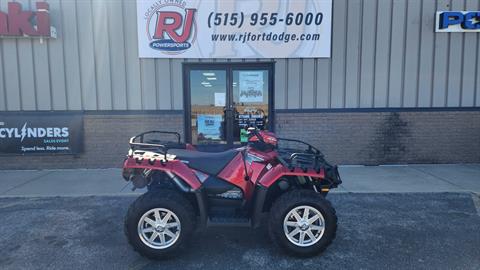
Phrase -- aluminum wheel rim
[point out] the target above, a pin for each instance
(159, 228)
(304, 226)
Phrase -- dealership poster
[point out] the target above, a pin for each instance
(251, 86)
(209, 126)
(234, 29)
(41, 133)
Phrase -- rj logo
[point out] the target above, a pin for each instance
(169, 22)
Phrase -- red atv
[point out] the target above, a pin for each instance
(189, 189)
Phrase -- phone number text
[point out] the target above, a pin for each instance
(237, 19)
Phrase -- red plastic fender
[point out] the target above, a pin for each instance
(234, 173)
(270, 177)
(175, 166)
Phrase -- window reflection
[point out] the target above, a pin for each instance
(250, 102)
(208, 100)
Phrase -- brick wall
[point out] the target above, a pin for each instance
(345, 137)
(105, 141)
(388, 137)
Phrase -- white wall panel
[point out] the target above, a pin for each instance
(117, 55)
(467, 91)
(87, 55)
(397, 53)
(132, 62)
(368, 53)
(339, 36)
(441, 63)
(382, 53)
(412, 55)
(385, 53)
(71, 56)
(101, 41)
(56, 60)
(426, 53)
(353, 53)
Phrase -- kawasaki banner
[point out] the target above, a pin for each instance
(234, 29)
(41, 133)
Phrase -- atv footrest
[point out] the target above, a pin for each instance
(225, 221)
(227, 217)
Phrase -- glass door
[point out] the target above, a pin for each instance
(223, 100)
(250, 101)
(208, 99)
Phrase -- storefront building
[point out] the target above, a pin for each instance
(366, 81)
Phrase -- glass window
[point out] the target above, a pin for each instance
(208, 91)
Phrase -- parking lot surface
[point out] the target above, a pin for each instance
(376, 231)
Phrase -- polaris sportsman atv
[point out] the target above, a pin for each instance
(188, 189)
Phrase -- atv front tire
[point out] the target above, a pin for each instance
(302, 222)
(159, 223)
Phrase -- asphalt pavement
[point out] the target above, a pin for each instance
(390, 217)
(376, 231)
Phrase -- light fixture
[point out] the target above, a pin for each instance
(208, 74)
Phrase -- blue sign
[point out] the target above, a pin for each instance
(458, 21)
(209, 126)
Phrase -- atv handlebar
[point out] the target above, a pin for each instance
(254, 131)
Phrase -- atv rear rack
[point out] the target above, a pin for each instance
(139, 143)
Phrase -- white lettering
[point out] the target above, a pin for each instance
(41, 132)
(18, 134)
(32, 132)
(56, 132)
(65, 132)
(10, 132)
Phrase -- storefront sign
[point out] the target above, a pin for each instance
(251, 86)
(234, 29)
(17, 22)
(41, 134)
(458, 21)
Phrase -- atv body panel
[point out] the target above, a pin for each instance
(239, 179)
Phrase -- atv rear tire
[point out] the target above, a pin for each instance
(164, 216)
(302, 222)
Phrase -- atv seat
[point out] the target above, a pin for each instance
(207, 162)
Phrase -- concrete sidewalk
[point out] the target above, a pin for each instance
(357, 179)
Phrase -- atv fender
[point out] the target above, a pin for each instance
(175, 167)
(280, 171)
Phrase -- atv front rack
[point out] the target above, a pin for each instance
(306, 157)
(140, 143)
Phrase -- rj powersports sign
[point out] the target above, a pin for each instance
(41, 134)
(234, 29)
(458, 21)
(17, 22)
